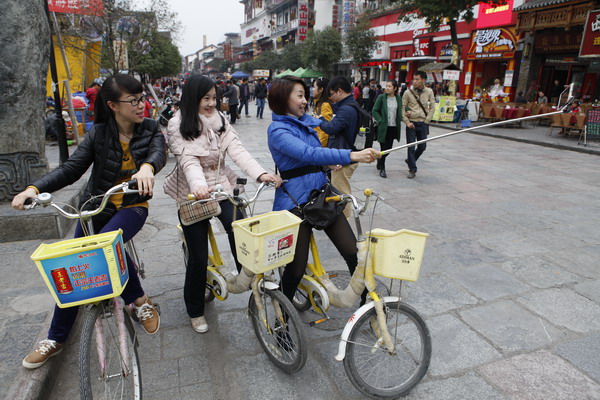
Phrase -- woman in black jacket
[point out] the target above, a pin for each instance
(135, 149)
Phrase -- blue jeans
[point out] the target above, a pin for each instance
(419, 132)
(261, 107)
(131, 220)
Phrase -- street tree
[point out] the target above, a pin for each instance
(163, 59)
(322, 49)
(291, 56)
(125, 28)
(360, 42)
(220, 64)
(436, 13)
(266, 60)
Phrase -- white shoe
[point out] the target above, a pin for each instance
(199, 324)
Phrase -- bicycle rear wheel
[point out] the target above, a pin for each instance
(109, 366)
(376, 372)
(283, 341)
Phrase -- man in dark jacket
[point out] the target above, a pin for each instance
(261, 94)
(244, 96)
(232, 93)
(342, 130)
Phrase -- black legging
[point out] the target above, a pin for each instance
(196, 237)
(390, 135)
(340, 234)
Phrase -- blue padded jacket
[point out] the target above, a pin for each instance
(294, 143)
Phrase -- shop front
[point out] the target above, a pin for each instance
(491, 56)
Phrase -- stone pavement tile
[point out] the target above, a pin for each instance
(435, 262)
(539, 272)
(540, 376)
(257, 378)
(469, 229)
(185, 342)
(556, 238)
(456, 347)
(514, 244)
(201, 391)
(584, 353)
(467, 387)
(172, 312)
(241, 339)
(510, 327)
(162, 375)
(587, 231)
(469, 252)
(580, 260)
(589, 289)
(436, 294)
(565, 217)
(564, 307)
(334, 371)
(194, 370)
(488, 281)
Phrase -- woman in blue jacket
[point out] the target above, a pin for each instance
(298, 154)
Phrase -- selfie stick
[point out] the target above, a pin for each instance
(560, 110)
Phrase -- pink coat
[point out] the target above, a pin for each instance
(198, 159)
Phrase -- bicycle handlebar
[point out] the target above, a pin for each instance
(45, 199)
(237, 201)
(348, 198)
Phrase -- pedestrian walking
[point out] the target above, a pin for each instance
(244, 96)
(418, 107)
(200, 138)
(91, 94)
(232, 93)
(357, 93)
(342, 131)
(387, 112)
(122, 145)
(261, 94)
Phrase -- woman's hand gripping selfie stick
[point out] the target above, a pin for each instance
(560, 109)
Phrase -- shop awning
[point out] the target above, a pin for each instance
(435, 66)
(417, 58)
(539, 4)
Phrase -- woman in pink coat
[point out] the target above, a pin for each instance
(201, 138)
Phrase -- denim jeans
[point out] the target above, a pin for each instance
(131, 220)
(419, 132)
(261, 107)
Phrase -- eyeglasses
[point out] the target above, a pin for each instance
(133, 102)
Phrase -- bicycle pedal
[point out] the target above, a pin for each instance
(318, 321)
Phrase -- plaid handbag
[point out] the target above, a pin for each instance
(193, 211)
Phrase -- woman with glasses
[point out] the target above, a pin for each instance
(121, 145)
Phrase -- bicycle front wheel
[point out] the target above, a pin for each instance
(375, 371)
(282, 338)
(109, 366)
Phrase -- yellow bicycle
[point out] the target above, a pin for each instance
(385, 345)
(275, 321)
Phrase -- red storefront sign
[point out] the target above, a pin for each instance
(490, 16)
(590, 45)
(85, 7)
(492, 44)
(302, 21)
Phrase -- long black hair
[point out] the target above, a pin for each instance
(112, 89)
(194, 89)
(322, 83)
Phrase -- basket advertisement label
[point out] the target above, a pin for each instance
(79, 276)
(278, 246)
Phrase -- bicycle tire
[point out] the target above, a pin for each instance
(286, 352)
(208, 294)
(92, 383)
(412, 357)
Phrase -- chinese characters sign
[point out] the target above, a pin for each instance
(302, 21)
(590, 45)
(490, 44)
(563, 42)
(348, 11)
(87, 7)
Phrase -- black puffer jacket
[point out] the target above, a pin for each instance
(146, 146)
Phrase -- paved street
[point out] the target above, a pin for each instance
(509, 286)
